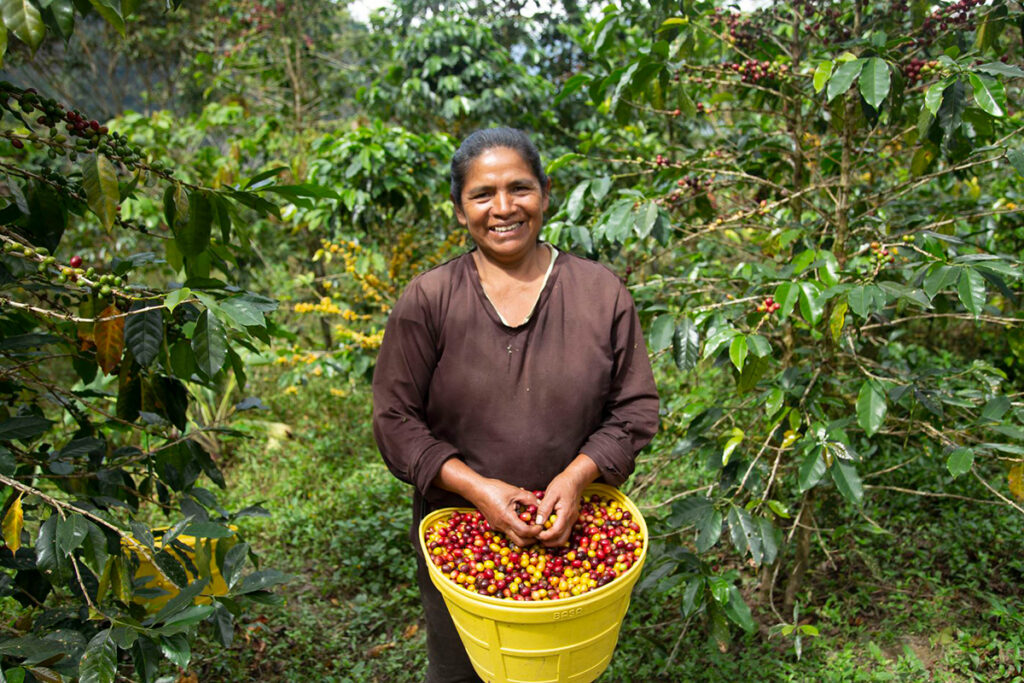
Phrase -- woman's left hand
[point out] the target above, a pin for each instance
(562, 498)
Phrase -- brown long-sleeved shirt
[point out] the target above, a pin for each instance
(515, 403)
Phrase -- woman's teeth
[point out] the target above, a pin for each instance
(506, 228)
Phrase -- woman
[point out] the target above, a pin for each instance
(508, 369)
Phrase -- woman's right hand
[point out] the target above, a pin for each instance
(495, 499)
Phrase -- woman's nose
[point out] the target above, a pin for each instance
(502, 203)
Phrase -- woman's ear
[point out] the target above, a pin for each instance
(460, 215)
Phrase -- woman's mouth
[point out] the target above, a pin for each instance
(502, 229)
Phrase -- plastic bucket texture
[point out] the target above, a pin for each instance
(550, 641)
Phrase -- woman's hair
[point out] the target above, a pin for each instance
(482, 140)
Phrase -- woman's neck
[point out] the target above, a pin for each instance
(533, 266)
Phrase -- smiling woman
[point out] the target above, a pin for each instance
(510, 369)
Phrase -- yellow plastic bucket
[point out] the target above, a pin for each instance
(556, 641)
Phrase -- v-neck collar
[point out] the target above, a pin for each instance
(492, 310)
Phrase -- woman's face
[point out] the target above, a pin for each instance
(502, 205)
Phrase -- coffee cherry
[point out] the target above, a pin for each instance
(604, 543)
(75, 261)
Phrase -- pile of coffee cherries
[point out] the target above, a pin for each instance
(604, 543)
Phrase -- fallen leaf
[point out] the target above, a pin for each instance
(378, 650)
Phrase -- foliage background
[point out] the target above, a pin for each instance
(815, 205)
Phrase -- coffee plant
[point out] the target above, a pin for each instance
(114, 314)
(818, 199)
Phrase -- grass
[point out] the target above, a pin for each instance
(934, 595)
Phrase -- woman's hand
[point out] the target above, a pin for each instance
(562, 498)
(496, 500)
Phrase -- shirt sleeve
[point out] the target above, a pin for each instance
(630, 415)
(401, 381)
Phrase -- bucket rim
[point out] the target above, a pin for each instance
(626, 581)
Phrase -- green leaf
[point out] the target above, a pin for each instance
(99, 661)
(719, 586)
(871, 407)
(242, 312)
(769, 541)
(735, 440)
(812, 469)
(618, 222)
(176, 296)
(995, 409)
(693, 595)
(960, 461)
(233, 562)
(686, 511)
(47, 217)
(144, 332)
(933, 95)
(25, 427)
(224, 621)
(939, 277)
(187, 617)
(837, 320)
(261, 580)
(847, 481)
(971, 289)
(821, 74)
(1000, 69)
(574, 206)
(717, 340)
(954, 102)
(745, 536)
(572, 85)
(759, 346)
(661, 333)
(645, 220)
(811, 304)
(923, 158)
(599, 187)
(738, 611)
(209, 344)
(61, 15)
(208, 530)
(753, 370)
(1016, 157)
(686, 345)
(738, 351)
(843, 77)
(709, 529)
(3, 44)
(773, 402)
(987, 94)
(786, 295)
(71, 531)
(99, 178)
(47, 553)
(23, 19)
(146, 657)
(193, 237)
(176, 649)
(110, 11)
(875, 81)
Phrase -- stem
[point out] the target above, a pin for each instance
(803, 552)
